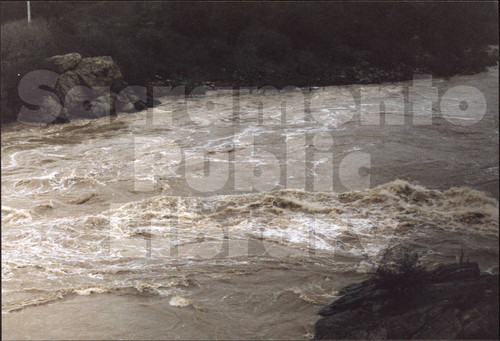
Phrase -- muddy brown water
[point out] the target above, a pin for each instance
(117, 228)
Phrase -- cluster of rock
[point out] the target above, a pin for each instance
(88, 88)
(453, 301)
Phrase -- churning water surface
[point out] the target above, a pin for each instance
(119, 228)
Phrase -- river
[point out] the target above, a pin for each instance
(120, 227)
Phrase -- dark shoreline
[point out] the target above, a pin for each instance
(251, 43)
(357, 76)
(453, 301)
(346, 76)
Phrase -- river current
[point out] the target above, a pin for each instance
(239, 214)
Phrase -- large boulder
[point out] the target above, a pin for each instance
(66, 82)
(99, 72)
(51, 111)
(63, 63)
(452, 302)
(87, 88)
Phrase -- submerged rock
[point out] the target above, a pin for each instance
(453, 301)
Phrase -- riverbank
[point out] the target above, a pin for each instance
(362, 73)
(453, 301)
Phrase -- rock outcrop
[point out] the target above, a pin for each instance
(453, 301)
(87, 88)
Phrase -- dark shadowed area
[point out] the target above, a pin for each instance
(250, 43)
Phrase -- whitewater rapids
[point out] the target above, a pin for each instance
(87, 254)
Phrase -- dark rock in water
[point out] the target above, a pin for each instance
(151, 102)
(140, 105)
(60, 120)
(453, 301)
(86, 88)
